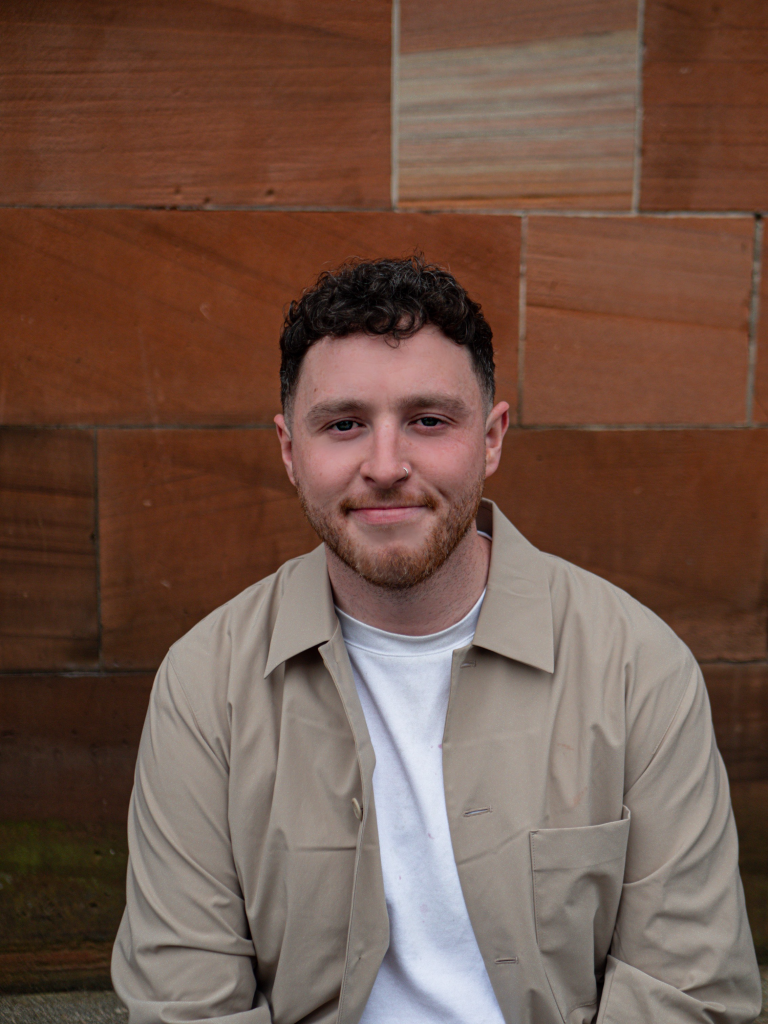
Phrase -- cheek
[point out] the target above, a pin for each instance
(323, 470)
(453, 463)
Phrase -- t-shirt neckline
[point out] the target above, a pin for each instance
(380, 641)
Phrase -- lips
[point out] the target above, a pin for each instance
(386, 515)
(350, 507)
(381, 504)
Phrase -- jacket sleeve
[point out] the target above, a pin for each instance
(183, 951)
(682, 951)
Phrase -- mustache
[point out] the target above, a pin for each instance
(389, 499)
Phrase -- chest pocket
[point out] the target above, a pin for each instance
(577, 880)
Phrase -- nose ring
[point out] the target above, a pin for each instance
(406, 471)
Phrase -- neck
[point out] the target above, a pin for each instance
(437, 603)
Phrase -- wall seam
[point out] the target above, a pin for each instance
(394, 105)
(754, 663)
(97, 546)
(754, 316)
(85, 673)
(269, 426)
(199, 208)
(647, 427)
(136, 673)
(491, 211)
(638, 154)
(137, 426)
(522, 319)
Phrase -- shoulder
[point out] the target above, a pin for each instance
(229, 647)
(622, 650)
(607, 618)
(249, 616)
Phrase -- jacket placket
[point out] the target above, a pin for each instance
(368, 935)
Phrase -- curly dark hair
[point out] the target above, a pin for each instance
(386, 297)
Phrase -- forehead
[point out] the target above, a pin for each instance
(360, 365)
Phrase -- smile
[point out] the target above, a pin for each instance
(386, 515)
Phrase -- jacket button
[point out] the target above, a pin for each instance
(357, 809)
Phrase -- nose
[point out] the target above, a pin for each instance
(385, 466)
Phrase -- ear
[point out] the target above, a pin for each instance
(495, 428)
(286, 446)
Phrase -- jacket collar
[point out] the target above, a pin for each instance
(516, 617)
(306, 617)
(515, 620)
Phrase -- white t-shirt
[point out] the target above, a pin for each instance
(433, 972)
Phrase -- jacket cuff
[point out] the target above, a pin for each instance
(145, 1012)
(632, 997)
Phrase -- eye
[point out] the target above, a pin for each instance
(344, 425)
(430, 421)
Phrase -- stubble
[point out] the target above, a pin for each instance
(396, 567)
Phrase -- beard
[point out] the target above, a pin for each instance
(397, 567)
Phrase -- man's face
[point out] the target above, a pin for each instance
(389, 446)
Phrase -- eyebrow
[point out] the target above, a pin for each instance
(350, 406)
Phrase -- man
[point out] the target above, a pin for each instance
(425, 774)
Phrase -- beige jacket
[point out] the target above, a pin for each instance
(588, 806)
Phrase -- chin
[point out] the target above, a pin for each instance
(382, 541)
(395, 566)
(400, 555)
(385, 553)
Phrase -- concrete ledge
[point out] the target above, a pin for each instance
(63, 1008)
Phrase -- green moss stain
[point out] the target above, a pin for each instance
(61, 884)
(62, 887)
